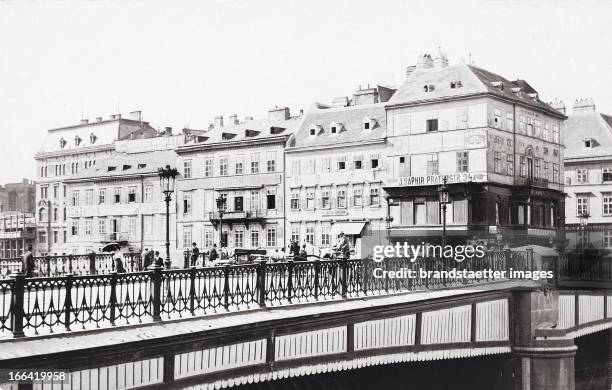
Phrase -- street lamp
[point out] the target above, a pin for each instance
(584, 221)
(221, 202)
(443, 193)
(167, 177)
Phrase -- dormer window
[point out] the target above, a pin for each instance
(498, 84)
(63, 143)
(110, 168)
(335, 128)
(368, 123)
(126, 167)
(428, 88)
(456, 84)
(92, 138)
(314, 130)
(77, 140)
(589, 143)
(250, 133)
(227, 136)
(142, 166)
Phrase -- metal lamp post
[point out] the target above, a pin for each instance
(167, 177)
(221, 202)
(584, 222)
(443, 193)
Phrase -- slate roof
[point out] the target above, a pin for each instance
(592, 125)
(127, 165)
(348, 120)
(474, 80)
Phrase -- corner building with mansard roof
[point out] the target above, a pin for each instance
(495, 141)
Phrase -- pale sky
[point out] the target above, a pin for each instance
(182, 63)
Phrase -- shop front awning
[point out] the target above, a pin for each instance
(349, 228)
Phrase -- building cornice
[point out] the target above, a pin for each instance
(297, 149)
(61, 153)
(473, 96)
(243, 143)
(110, 178)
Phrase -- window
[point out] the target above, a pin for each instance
(208, 167)
(497, 162)
(132, 194)
(65, 236)
(357, 196)
(117, 195)
(357, 163)
(88, 197)
(42, 237)
(239, 238)
(432, 125)
(432, 164)
(254, 166)
(313, 131)
(556, 173)
(455, 84)
(187, 203)
(43, 192)
(147, 226)
(607, 238)
(223, 171)
(254, 239)
(65, 191)
(497, 118)
(75, 198)
(271, 165)
(239, 169)
(374, 196)
(556, 134)
(102, 226)
(295, 168)
(326, 164)
(334, 130)
(607, 203)
(325, 236)
(55, 214)
(310, 234)
(310, 200)
(341, 164)
(538, 172)
(255, 201)
(510, 164)
(238, 203)
(43, 215)
(582, 205)
(341, 198)
(325, 200)
(271, 237)
(55, 236)
(607, 174)
(462, 161)
(530, 129)
(545, 176)
(102, 196)
(582, 176)
(88, 226)
(148, 193)
(187, 169)
(311, 166)
(366, 125)
(295, 201)
(187, 236)
(74, 229)
(208, 238)
(55, 191)
(523, 166)
(271, 201)
(295, 232)
(374, 161)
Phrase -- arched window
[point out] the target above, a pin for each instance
(43, 215)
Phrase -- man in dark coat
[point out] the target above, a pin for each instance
(195, 253)
(28, 263)
(213, 253)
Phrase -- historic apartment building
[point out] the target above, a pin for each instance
(17, 223)
(67, 151)
(335, 173)
(245, 162)
(588, 176)
(119, 199)
(494, 140)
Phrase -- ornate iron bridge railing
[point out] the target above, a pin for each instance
(60, 265)
(41, 305)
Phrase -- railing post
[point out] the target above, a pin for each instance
(226, 290)
(157, 282)
(386, 268)
(68, 301)
(113, 297)
(169, 368)
(289, 280)
(48, 265)
(261, 282)
(69, 264)
(343, 282)
(92, 263)
(18, 311)
(186, 259)
(192, 274)
(317, 271)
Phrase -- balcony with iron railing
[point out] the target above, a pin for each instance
(243, 216)
(532, 181)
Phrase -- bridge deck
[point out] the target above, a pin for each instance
(31, 347)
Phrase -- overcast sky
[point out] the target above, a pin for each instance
(182, 63)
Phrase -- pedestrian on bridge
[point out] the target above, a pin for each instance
(195, 253)
(28, 263)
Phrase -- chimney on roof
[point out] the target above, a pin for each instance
(583, 106)
(424, 61)
(365, 96)
(218, 121)
(168, 131)
(279, 114)
(98, 119)
(441, 61)
(559, 106)
(84, 121)
(135, 115)
(115, 116)
(233, 119)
